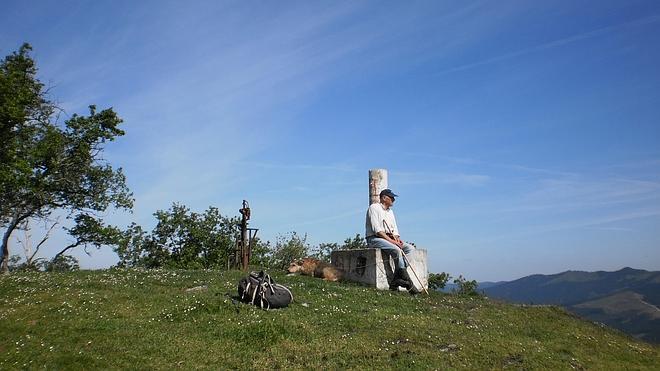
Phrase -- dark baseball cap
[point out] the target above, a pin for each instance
(388, 192)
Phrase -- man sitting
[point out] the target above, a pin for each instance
(382, 233)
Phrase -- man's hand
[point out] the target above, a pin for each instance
(390, 238)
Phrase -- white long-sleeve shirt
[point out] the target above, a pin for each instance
(376, 214)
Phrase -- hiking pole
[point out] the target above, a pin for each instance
(405, 257)
(415, 273)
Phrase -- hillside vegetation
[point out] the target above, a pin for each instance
(148, 319)
(628, 299)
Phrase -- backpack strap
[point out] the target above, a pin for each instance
(247, 289)
(254, 294)
(263, 282)
(269, 283)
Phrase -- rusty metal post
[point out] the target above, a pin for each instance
(245, 243)
(377, 182)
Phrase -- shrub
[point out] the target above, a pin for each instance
(323, 251)
(288, 249)
(466, 287)
(354, 243)
(438, 281)
(63, 263)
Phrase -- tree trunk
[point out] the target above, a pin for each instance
(5, 243)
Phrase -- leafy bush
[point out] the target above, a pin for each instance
(260, 254)
(187, 240)
(181, 239)
(63, 263)
(323, 251)
(16, 264)
(466, 287)
(438, 281)
(355, 243)
(288, 249)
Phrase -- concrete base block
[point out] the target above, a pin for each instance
(375, 267)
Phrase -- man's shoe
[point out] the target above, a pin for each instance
(394, 284)
(399, 279)
(409, 285)
(403, 275)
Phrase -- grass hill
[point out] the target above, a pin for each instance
(626, 310)
(628, 299)
(118, 319)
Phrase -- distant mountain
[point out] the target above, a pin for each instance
(481, 286)
(486, 284)
(628, 299)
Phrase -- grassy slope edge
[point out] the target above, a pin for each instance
(146, 319)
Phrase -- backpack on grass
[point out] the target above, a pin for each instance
(259, 289)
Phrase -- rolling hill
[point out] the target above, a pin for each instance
(174, 319)
(627, 299)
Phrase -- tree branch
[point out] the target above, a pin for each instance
(46, 237)
(75, 244)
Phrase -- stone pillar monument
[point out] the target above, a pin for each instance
(374, 267)
(377, 182)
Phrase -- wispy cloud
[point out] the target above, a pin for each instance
(550, 45)
(614, 229)
(577, 223)
(463, 179)
(468, 161)
(311, 167)
(571, 194)
(571, 197)
(342, 215)
(560, 204)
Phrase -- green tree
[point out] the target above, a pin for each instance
(260, 254)
(181, 239)
(131, 247)
(287, 249)
(466, 287)
(88, 231)
(216, 235)
(324, 250)
(357, 242)
(46, 166)
(173, 233)
(438, 281)
(15, 264)
(62, 263)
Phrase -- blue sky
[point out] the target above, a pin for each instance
(521, 136)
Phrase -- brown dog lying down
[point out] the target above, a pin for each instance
(316, 268)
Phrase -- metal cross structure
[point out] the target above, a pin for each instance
(244, 244)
